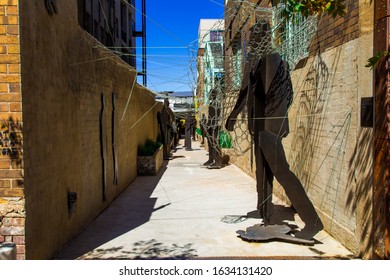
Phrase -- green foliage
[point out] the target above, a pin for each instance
(198, 131)
(372, 61)
(225, 139)
(314, 7)
(149, 148)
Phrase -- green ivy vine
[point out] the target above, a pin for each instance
(372, 61)
(314, 7)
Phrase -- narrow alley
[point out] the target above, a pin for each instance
(93, 93)
(189, 212)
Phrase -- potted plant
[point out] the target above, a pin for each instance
(149, 158)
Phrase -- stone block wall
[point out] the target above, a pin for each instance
(12, 201)
(327, 148)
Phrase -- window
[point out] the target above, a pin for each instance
(216, 36)
(111, 22)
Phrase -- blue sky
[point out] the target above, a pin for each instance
(172, 33)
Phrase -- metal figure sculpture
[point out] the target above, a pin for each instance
(166, 118)
(202, 129)
(215, 153)
(267, 92)
(188, 128)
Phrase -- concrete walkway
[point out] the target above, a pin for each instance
(189, 212)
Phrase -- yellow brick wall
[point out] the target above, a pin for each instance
(56, 84)
(12, 208)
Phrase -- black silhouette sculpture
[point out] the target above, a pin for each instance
(188, 127)
(166, 117)
(175, 133)
(202, 129)
(215, 154)
(267, 91)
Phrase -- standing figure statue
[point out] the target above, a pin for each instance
(215, 153)
(175, 133)
(166, 118)
(202, 129)
(187, 139)
(267, 92)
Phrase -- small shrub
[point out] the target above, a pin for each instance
(149, 148)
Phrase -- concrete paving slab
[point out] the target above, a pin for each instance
(190, 212)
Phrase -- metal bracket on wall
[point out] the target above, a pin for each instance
(114, 139)
(367, 112)
(72, 203)
(103, 146)
(51, 7)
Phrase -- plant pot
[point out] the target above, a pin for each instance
(150, 165)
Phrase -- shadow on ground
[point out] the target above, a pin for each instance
(282, 215)
(145, 250)
(138, 202)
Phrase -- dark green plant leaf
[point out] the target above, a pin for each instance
(372, 61)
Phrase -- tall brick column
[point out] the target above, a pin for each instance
(12, 202)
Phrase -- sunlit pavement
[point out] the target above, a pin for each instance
(189, 212)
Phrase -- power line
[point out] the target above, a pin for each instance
(217, 3)
(155, 47)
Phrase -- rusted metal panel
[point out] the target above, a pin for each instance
(381, 203)
(381, 9)
(387, 149)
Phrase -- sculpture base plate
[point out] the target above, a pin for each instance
(261, 232)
